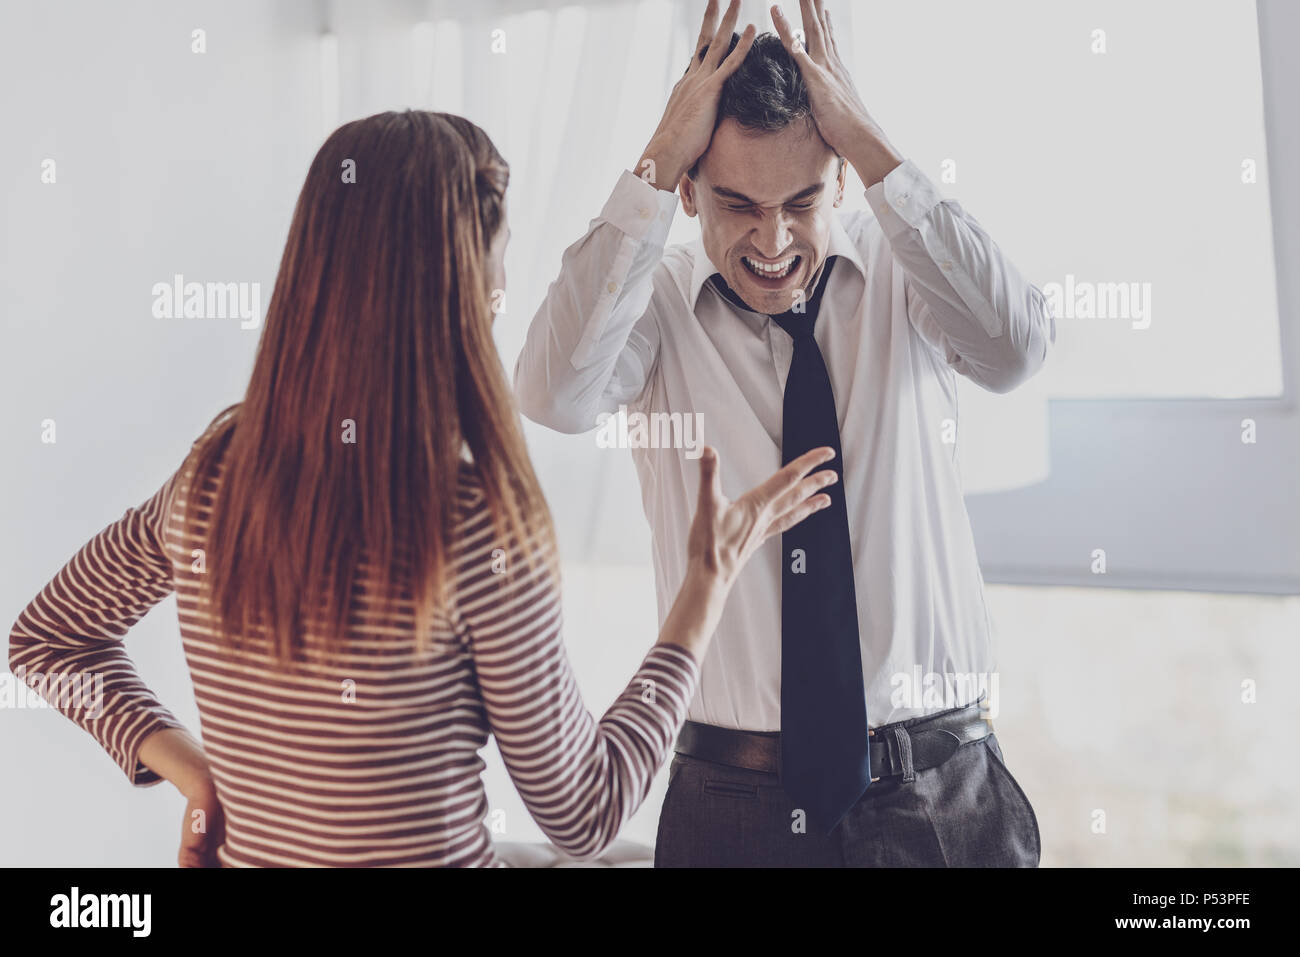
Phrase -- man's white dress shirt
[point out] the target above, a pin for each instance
(920, 293)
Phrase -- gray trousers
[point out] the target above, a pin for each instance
(967, 812)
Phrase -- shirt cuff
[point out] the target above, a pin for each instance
(640, 210)
(903, 198)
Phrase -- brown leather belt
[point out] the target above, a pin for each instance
(901, 748)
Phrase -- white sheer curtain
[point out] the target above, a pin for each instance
(569, 93)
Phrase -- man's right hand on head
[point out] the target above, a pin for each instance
(687, 125)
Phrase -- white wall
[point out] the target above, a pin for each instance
(166, 162)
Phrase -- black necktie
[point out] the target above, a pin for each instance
(825, 758)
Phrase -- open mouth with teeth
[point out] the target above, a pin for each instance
(772, 272)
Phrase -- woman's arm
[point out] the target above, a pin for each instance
(581, 779)
(67, 643)
(177, 757)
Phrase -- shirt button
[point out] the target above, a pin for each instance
(645, 212)
(612, 287)
(947, 264)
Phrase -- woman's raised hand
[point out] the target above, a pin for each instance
(724, 534)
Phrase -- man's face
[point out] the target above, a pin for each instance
(765, 202)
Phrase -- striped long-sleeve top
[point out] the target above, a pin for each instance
(373, 761)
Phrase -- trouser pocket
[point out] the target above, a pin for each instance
(1028, 819)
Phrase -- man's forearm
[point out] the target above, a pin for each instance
(872, 156)
(972, 304)
(585, 327)
(661, 166)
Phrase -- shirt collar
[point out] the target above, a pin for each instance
(840, 245)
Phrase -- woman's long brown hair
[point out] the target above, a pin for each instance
(380, 317)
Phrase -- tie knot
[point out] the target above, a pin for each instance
(801, 318)
(798, 322)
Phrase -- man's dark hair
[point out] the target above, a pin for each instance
(766, 94)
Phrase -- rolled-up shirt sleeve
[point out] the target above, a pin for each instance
(965, 296)
(592, 343)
